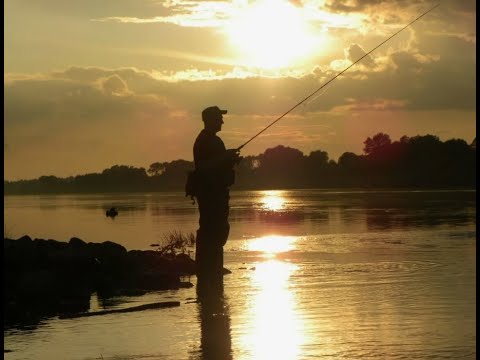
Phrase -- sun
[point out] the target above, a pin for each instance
(270, 34)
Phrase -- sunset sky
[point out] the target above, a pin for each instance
(90, 84)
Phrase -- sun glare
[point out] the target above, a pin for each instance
(270, 34)
(272, 244)
(273, 201)
(277, 330)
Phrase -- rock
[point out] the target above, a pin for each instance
(45, 277)
(76, 242)
(25, 238)
(106, 248)
(183, 257)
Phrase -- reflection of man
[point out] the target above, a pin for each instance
(215, 341)
(214, 175)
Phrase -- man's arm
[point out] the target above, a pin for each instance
(210, 154)
(228, 158)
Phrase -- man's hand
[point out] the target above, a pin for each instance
(233, 156)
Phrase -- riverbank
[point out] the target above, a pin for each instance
(48, 277)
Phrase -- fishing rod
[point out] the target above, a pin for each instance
(340, 73)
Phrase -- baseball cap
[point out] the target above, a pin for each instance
(212, 112)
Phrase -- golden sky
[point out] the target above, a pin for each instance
(90, 84)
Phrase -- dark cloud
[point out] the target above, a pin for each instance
(467, 6)
(57, 100)
(358, 5)
(355, 52)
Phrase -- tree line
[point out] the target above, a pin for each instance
(419, 161)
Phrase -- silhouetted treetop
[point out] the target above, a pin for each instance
(156, 169)
(378, 143)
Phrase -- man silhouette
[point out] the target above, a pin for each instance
(214, 174)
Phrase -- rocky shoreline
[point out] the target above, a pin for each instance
(45, 278)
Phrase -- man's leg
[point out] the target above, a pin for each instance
(209, 262)
(211, 236)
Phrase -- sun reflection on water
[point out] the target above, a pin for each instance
(275, 327)
(273, 200)
(272, 244)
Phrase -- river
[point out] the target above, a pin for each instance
(339, 274)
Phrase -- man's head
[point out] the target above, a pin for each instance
(213, 118)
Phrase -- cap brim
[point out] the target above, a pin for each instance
(223, 111)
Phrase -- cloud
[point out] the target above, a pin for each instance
(113, 85)
(421, 80)
(88, 8)
(185, 13)
(377, 104)
(355, 52)
(141, 101)
(349, 5)
(468, 37)
(346, 6)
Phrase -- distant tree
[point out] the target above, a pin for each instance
(156, 169)
(123, 177)
(318, 168)
(385, 160)
(425, 142)
(177, 166)
(246, 172)
(412, 161)
(122, 170)
(280, 154)
(349, 160)
(459, 147)
(281, 167)
(459, 162)
(175, 173)
(51, 183)
(378, 143)
(351, 169)
(318, 158)
(424, 161)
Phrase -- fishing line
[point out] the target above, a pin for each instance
(340, 73)
(312, 99)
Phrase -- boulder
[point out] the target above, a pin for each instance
(47, 277)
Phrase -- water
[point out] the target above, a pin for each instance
(315, 274)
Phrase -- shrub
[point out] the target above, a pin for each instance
(176, 242)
